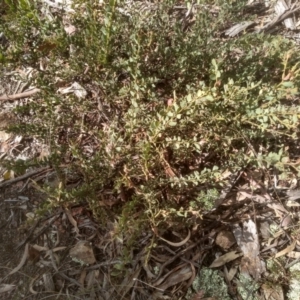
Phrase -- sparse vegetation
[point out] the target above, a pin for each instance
(171, 106)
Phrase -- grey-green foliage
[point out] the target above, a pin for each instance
(210, 283)
(247, 287)
(294, 284)
(205, 200)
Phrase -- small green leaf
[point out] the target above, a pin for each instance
(119, 266)
(209, 98)
(285, 159)
(214, 63)
(288, 84)
(295, 118)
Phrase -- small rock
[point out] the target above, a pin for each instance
(83, 253)
(225, 239)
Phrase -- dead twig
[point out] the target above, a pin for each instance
(177, 244)
(23, 177)
(278, 19)
(32, 238)
(64, 276)
(107, 263)
(20, 265)
(19, 96)
(173, 258)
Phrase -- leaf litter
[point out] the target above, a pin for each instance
(240, 212)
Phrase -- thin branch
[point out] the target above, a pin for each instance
(278, 19)
(19, 96)
(22, 177)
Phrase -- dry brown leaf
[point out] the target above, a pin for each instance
(264, 228)
(294, 254)
(270, 246)
(226, 174)
(279, 210)
(55, 250)
(48, 282)
(287, 250)
(292, 204)
(83, 252)
(90, 278)
(77, 211)
(229, 275)
(46, 47)
(286, 221)
(72, 221)
(198, 296)
(169, 171)
(129, 281)
(82, 277)
(225, 239)
(180, 243)
(32, 291)
(41, 248)
(177, 276)
(4, 136)
(241, 196)
(222, 260)
(272, 292)
(293, 194)
(254, 178)
(276, 235)
(192, 278)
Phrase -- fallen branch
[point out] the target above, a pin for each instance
(23, 177)
(30, 238)
(19, 96)
(278, 19)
